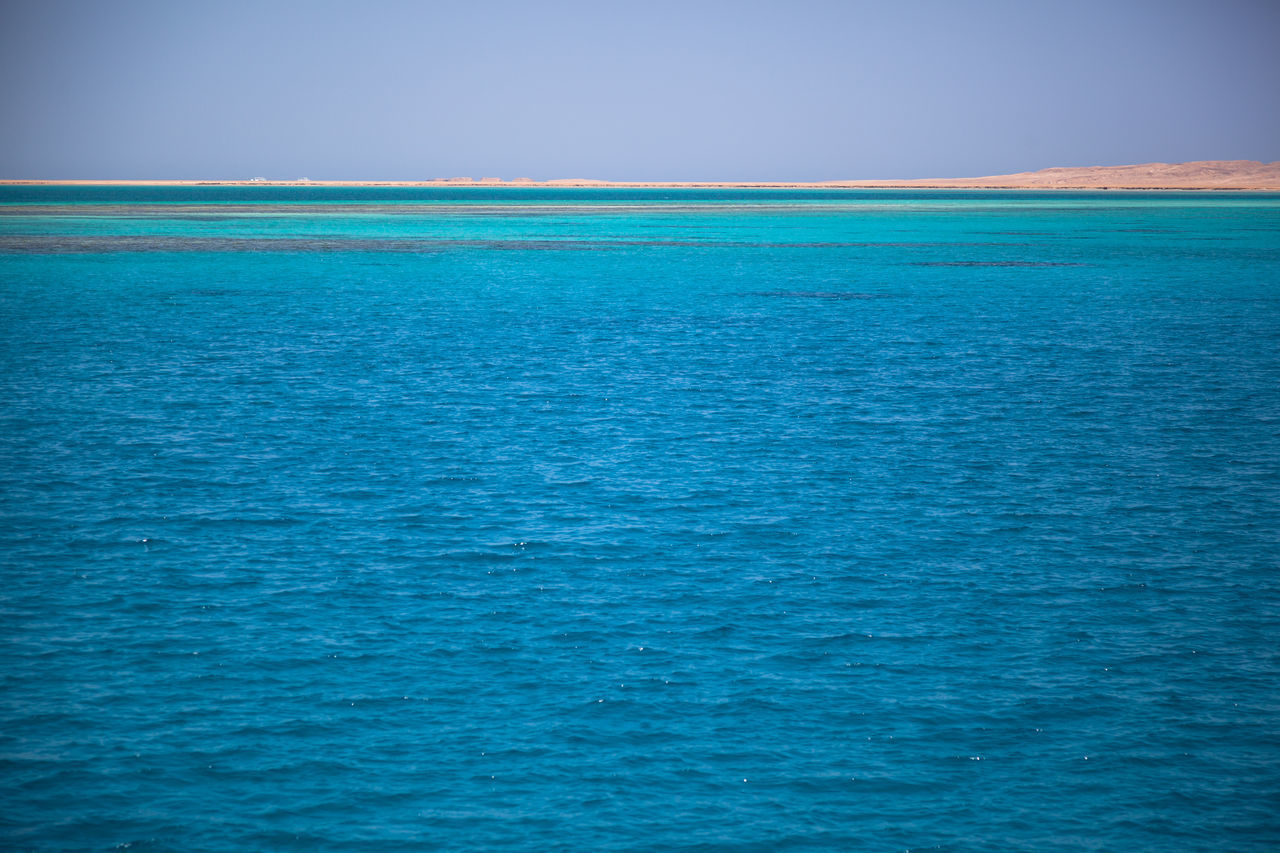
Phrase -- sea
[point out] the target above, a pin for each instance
(470, 519)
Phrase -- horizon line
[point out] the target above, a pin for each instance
(1199, 174)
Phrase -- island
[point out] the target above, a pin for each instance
(1198, 175)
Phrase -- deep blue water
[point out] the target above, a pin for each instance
(677, 520)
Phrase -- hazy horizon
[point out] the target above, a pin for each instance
(712, 91)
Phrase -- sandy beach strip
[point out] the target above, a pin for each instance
(1248, 175)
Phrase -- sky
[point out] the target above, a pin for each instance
(656, 90)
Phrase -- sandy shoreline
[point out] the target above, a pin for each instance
(1200, 175)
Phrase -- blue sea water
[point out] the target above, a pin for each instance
(650, 520)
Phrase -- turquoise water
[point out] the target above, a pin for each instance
(645, 520)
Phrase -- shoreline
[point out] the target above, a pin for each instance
(1210, 175)
(629, 185)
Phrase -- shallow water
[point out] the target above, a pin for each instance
(472, 519)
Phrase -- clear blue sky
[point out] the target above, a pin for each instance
(646, 90)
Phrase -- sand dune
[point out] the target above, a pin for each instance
(1199, 175)
(1203, 174)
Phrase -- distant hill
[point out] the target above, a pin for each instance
(1202, 174)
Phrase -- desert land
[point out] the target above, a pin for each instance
(1198, 175)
